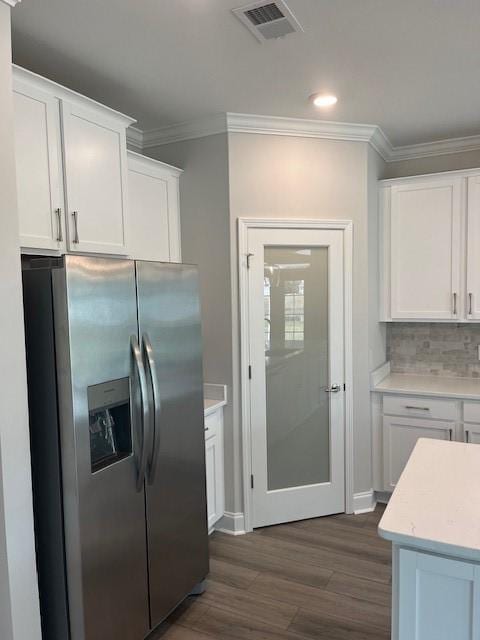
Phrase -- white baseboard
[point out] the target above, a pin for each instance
(364, 502)
(231, 523)
(382, 496)
(234, 523)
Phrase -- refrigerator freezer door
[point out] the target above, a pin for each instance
(169, 326)
(95, 317)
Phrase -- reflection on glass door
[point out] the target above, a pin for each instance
(296, 366)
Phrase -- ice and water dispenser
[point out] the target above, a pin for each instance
(109, 422)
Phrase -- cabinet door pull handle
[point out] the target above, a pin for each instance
(470, 296)
(76, 239)
(454, 303)
(59, 223)
(467, 435)
(411, 406)
(450, 434)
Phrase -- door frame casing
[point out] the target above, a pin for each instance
(346, 226)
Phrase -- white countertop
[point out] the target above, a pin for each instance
(436, 503)
(211, 405)
(214, 397)
(466, 388)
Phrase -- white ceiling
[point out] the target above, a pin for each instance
(410, 66)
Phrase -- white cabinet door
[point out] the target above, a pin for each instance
(439, 598)
(425, 238)
(39, 178)
(471, 433)
(214, 468)
(153, 209)
(211, 455)
(399, 438)
(473, 249)
(95, 158)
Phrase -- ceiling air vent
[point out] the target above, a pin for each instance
(268, 20)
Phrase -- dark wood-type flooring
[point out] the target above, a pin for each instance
(322, 579)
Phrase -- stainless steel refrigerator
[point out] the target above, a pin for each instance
(114, 363)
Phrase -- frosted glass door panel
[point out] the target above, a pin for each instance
(296, 366)
(296, 373)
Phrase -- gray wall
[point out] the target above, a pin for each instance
(446, 162)
(205, 232)
(281, 177)
(19, 611)
(288, 177)
(376, 168)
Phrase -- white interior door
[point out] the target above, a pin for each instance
(296, 341)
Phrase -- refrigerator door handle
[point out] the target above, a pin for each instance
(157, 408)
(138, 362)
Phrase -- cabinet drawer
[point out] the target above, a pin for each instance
(471, 412)
(420, 407)
(212, 424)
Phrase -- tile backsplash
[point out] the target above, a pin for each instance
(434, 349)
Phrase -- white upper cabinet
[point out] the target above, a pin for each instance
(95, 157)
(153, 192)
(38, 168)
(425, 250)
(427, 224)
(71, 156)
(473, 249)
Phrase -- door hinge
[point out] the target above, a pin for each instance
(249, 255)
(251, 481)
(344, 387)
(249, 371)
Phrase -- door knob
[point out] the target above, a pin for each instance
(334, 388)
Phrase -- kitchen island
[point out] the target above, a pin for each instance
(433, 521)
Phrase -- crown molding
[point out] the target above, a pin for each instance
(190, 130)
(298, 127)
(381, 144)
(436, 148)
(24, 78)
(135, 138)
(303, 128)
(151, 166)
(11, 3)
(265, 125)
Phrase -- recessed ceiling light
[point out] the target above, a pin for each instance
(323, 99)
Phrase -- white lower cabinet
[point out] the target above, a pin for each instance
(438, 598)
(471, 433)
(214, 467)
(471, 422)
(404, 419)
(400, 435)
